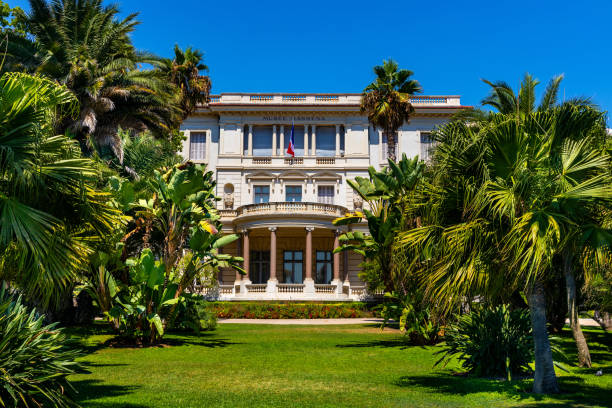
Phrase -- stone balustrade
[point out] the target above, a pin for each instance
(325, 288)
(285, 207)
(325, 99)
(290, 287)
(256, 288)
(326, 160)
(294, 160)
(286, 291)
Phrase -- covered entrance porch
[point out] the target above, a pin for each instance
(288, 255)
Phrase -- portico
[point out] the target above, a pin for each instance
(288, 252)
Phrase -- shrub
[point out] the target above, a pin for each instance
(491, 342)
(194, 314)
(34, 358)
(415, 320)
(260, 310)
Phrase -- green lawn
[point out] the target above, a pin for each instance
(311, 366)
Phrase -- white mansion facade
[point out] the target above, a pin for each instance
(283, 207)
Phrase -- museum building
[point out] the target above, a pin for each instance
(282, 206)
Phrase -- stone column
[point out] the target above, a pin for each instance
(250, 147)
(336, 281)
(337, 140)
(345, 268)
(238, 274)
(272, 282)
(246, 256)
(309, 287)
(306, 140)
(274, 140)
(314, 140)
(282, 140)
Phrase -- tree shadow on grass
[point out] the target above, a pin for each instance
(599, 342)
(206, 339)
(575, 392)
(88, 390)
(199, 341)
(399, 343)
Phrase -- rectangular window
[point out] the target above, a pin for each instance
(261, 194)
(197, 145)
(427, 145)
(293, 194)
(385, 149)
(324, 267)
(262, 140)
(292, 266)
(326, 141)
(259, 266)
(326, 194)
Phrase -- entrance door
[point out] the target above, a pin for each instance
(324, 267)
(259, 268)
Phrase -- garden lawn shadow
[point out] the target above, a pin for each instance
(576, 392)
(401, 343)
(92, 389)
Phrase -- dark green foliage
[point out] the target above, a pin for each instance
(34, 358)
(491, 342)
(141, 307)
(194, 314)
(416, 320)
(255, 310)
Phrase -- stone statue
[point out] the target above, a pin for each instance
(357, 202)
(228, 200)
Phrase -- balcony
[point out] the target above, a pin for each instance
(279, 213)
(284, 207)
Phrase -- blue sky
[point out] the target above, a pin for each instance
(331, 46)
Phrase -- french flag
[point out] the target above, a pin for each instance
(291, 147)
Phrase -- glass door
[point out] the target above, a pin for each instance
(292, 266)
(324, 267)
(259, 266)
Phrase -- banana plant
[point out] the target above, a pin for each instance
(386, 194)
(142, 306)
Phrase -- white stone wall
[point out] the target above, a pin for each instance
(409, 134)
(226, 132)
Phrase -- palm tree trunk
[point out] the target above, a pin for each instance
(545, 380)
(604, 319)
(584, 356)
(391, 145)
(607, 321)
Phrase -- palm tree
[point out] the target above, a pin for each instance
(51, 215)
(510, 194)
(387, 100)
(503, 99)
(184, 72)
(83, 45)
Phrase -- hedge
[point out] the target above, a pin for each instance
(266, 310)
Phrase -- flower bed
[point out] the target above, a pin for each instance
(265, 310)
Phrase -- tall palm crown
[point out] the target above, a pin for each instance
(184, 72)
(503, 99)
(82, 44)
(387, 100)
